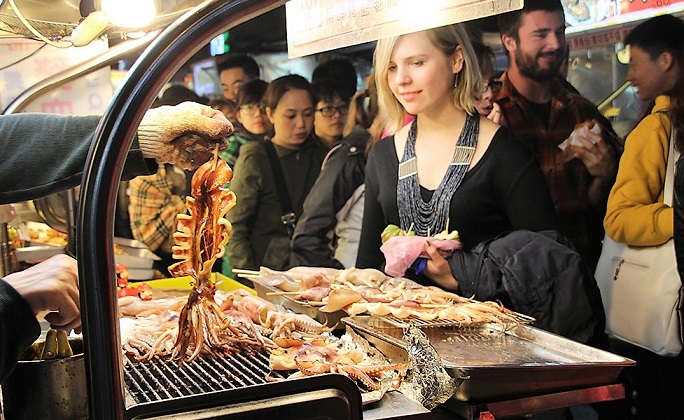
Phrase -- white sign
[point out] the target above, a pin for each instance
(25, 62)
(314, 26)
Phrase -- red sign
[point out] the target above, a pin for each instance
(583, 15)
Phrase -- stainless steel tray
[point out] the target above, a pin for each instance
(136, 254)
(521, 361)
(300, 307)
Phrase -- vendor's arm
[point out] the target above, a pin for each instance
(44, 154)
(49, 286)
(18, 328)
(636, 214)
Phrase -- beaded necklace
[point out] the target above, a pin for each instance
(416, 214)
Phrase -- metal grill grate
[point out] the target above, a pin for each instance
(417, 322)
(161, 379)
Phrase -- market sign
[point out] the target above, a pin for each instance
(584, 16)
(315, 26)
(599, 38)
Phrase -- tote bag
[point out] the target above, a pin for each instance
(641, 288)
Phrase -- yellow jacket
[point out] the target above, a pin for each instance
(636, 214)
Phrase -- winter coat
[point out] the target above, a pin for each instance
(540, 275)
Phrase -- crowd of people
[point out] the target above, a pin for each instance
(436, 140)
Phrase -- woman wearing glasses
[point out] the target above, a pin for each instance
(490, 88)
(328, 231)
(253, 124)
(260, 236)
(332, 108)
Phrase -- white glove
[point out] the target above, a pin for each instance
(184, 135)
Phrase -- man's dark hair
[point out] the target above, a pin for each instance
(176, 94)
(327, 89)
(339, 69)
(509, 23)
(245, 62)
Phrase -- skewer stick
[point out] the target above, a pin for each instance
(283, 293)
(246, 272)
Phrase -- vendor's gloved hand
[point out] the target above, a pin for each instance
(184, 135)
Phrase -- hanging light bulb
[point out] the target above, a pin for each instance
(129, 13)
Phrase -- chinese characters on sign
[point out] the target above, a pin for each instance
(321, 25)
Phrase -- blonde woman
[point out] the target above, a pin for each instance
(450, 168)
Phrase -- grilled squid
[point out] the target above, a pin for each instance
(201, 237)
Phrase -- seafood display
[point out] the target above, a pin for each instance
(338, 356)
(200, 240)
(357, 291)
(294, 342)
(212, 324)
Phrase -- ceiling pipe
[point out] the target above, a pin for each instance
(107, 58)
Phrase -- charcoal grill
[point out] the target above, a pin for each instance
(159, 380)
(212, 388)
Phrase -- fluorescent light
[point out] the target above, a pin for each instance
(129, 13)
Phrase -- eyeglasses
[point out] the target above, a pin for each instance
(250, 108)
(494, 85)
(329, 111)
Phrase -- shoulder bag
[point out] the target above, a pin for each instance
(288, 218)
(641, 288)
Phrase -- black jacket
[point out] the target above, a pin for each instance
(540, 275)
(342, 174)
(679, 216)
(259, 237)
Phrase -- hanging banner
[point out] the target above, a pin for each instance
(585, 15)
(314, 26)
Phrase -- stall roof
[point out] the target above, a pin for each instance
(263, 34)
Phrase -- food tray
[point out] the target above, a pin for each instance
(181, 283)
(518, 362)
(300, 307)
(137, 256)
(35, 253)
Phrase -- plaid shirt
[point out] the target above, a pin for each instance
(155, 200)
(568, 182)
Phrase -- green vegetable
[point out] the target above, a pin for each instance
(394, 230)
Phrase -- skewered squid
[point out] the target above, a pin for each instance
(201, 239)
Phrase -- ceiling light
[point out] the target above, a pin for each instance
(129, 13)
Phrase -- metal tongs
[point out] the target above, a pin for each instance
(56, 345)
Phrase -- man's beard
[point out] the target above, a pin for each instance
(528, 66)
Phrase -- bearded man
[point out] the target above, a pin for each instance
(537, 107)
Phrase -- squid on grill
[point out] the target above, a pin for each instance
(200, 240)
